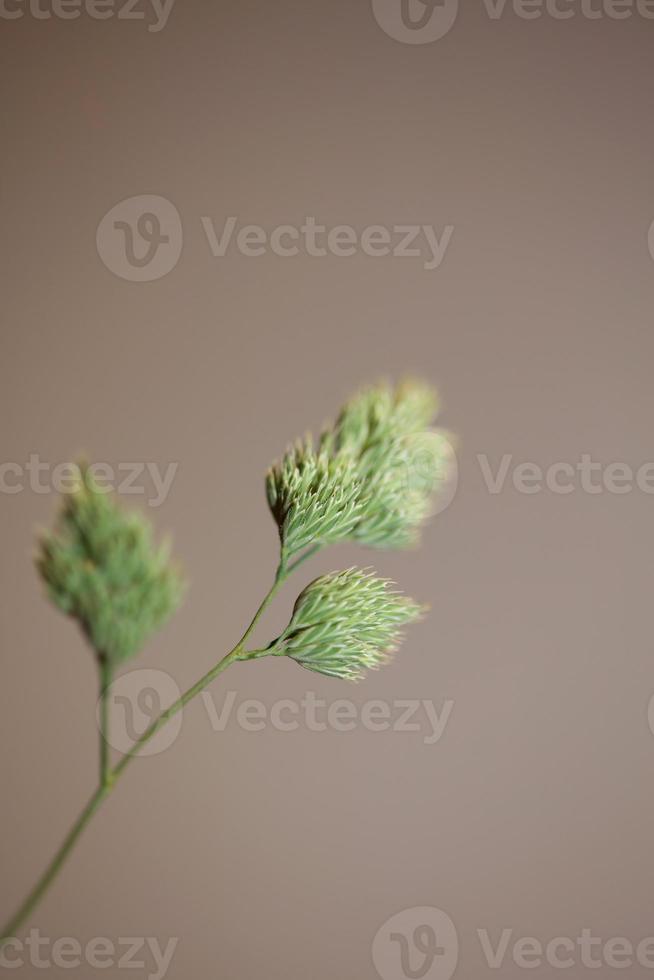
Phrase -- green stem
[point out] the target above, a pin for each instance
(309, 553)
(177, 706)
(108, 776)
(105, 684)
(54, 867)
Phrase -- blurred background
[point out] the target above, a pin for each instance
(515, 152)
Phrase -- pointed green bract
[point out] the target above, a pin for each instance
(101, 567)
(346, 623)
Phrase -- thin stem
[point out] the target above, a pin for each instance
(177, 706)
(54, 867)
(281, 575)
(108, 776)
(105, 683)
(309, 553)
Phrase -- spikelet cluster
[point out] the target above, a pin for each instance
(346, 623)
(314, 498)
(375, 473)
(101, 567)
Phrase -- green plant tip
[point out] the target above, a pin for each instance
(101, 567)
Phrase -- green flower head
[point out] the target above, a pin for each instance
(345, 623)
(100, 566)
(373, 478)
(314, 498)
(401, 462)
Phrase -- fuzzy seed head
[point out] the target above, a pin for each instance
(315, 498)
(373, 478)
(346, 623)
(101, 567)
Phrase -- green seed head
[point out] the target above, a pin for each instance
(346, 623)
(373, 478)
(101, 567)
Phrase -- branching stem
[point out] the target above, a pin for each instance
(108, 775)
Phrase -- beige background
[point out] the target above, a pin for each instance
(281, 854)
